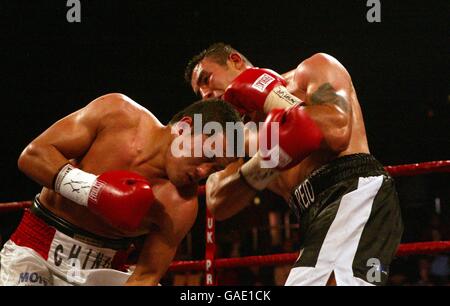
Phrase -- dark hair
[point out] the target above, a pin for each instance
(218, 52)
(211, 110)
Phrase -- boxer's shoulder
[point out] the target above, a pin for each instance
(118, 110)
(321, 63)
(172, 204)
(320, 58)
(168, 192)
(116, 103)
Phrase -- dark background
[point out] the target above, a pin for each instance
(50, 67)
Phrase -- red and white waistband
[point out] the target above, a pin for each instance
(63, 251)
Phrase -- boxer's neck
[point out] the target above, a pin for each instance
(164, 141)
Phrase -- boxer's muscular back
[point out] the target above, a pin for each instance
(316, 81)
(112, 132)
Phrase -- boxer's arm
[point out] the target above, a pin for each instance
(328, 89)
(227, 193)
(325, 87)
(68, 138)
(173, 223)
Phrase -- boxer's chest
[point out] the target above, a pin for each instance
(125, 150)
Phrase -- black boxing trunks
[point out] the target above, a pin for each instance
(47, 250)
(350, 223)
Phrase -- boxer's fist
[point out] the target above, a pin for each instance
(123, 198)
(298, 137)
(249, 90)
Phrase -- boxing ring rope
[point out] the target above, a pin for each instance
(400, 170)
(210, 264)
(419, 168)
(14, 206)
(407, 249)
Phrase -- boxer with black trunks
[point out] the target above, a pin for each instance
(346, 203)
(110, 175)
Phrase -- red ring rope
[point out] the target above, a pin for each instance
(289, 258)
(400, 170)
(13, 206)
(419, 168)
(432, 247)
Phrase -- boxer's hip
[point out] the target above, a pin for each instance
(43, 239)
(75, 232)
(332, 179)
(349, 214)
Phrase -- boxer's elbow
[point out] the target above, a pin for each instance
(336, 129)
(213, 203)
(216, 208)
(225, 193)
(36, 163)
(26, 158)
(338, 139)
(225, 204)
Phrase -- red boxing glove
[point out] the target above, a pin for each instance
(122, 198)
(298, 137)
(249, 90)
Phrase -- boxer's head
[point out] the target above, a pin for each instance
(199, 145)
(212, 70)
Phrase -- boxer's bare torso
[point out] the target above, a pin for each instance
(115, 133)
(129, 138)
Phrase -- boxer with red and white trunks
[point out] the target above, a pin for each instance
(109, 176)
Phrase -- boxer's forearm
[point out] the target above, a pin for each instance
(227, 194)
(154, 260)
(41, 163)
(142, 280)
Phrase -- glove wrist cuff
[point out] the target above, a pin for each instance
(255, 175)
(74, 184)
(279, 97)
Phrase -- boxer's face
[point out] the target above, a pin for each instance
(210, 79)
(194, 166)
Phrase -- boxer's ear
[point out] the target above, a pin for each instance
(187, 119)
(236, 60)
(183, 123)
